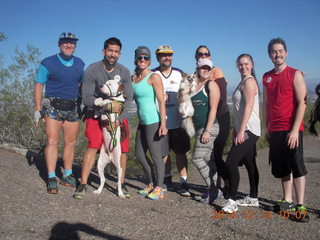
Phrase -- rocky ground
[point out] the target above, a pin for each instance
(28, 212)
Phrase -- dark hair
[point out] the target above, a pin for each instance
(276, 41)
(253, 72)
(201, 46)
(112, 41)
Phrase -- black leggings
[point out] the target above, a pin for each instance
(243, 153)
(220, 142)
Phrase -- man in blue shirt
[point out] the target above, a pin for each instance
(61, 75)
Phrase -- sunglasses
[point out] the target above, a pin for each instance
(146, 58)
(201, 54)
(206, 67)
(165, 54)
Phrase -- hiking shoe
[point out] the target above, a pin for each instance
(146, 191)
(80, 192)
(184, 190)
(284, 206)
(167, 184)
(301, 214)
(125, 191)
(248, 202)
(156, 194)
(230, 206)
(69, 181)
(209, 196)
(52, 187)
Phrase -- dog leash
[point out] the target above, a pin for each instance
(113, 129)
(113, 142)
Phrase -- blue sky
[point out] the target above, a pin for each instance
(227, 27)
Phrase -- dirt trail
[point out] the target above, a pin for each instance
(28, 212)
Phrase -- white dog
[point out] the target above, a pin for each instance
(111, 149)
(187, 87)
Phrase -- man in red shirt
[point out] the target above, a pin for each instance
(284, 104)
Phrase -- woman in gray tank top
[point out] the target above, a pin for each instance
(245, 135)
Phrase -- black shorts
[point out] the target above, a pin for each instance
(178, 140)
(283, 159)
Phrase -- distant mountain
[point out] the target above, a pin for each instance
(311, 86)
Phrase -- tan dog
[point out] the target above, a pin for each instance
(187, 87)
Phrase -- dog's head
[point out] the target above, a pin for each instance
(189, 81)
(112, 88)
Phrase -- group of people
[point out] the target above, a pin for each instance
(155, 92)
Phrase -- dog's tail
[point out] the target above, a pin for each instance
(187, 124)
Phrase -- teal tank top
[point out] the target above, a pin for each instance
(200, 102)
(145, 98)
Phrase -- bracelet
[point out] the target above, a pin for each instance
(205, 130)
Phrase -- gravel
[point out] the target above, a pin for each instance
(28, 212)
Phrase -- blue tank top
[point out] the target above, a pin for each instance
(145, 98)
(63, 81)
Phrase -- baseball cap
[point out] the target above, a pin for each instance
(164, 49)
(142, 50)
(68, 36)
(204, 62)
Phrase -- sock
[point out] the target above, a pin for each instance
(51, 174)
(67, 172)
(183, 179)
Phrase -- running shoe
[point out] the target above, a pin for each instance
(209, 196)
(167, 184)
(248, 202)
(80, 192)
(156, 194)
(284, 206)
(301, 214)
(146, 191)
(184, 190)
(69, 181)
(230, 206)
(125, 191)
(52, 187)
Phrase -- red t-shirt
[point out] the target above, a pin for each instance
(281, 98)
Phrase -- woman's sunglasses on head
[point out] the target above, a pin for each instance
(201, 54)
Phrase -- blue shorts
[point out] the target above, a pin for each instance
(59, 115)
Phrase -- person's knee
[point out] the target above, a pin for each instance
(140, 155)
(70, 143)
(52, 142)
(181, 157)
(229, 164)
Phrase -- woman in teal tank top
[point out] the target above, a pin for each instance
(205, 102)
(148, 88)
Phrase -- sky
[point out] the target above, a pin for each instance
(228, 27)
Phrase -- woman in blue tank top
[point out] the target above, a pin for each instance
(148, 88)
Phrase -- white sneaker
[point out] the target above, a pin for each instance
(230, 206)
(220, 194)
(248, 202)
